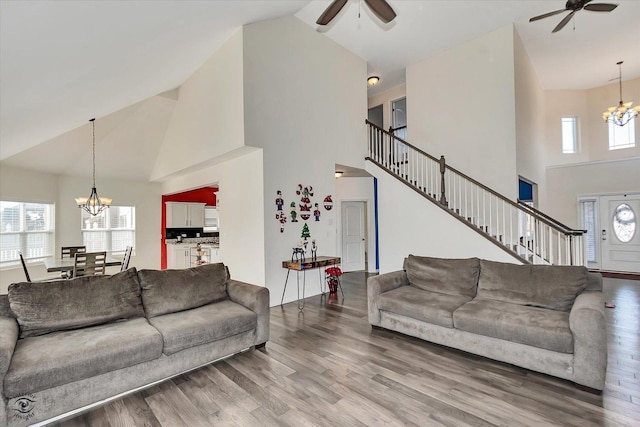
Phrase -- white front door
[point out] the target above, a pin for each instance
(620, 232)
(353, 236)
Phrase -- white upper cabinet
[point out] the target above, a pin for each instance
(185, 215)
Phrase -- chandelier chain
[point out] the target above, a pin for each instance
(93, 122)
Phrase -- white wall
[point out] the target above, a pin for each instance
(530, 121)
(595, 169)
(385, 98)
(23, 185)
(588, 106)
(305, 104)
(239, 177)
(568, 182)
(208, 117)
(410, 224)
(461, 104)
(357, 190)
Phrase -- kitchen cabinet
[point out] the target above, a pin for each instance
(185, 215)
(178, 256)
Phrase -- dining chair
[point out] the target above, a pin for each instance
(89, 264)
(126, 259)
(24, 267)
(70, 252)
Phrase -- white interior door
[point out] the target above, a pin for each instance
(353, 236)
(620, 232)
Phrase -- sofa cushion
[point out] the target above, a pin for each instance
(548, 286)
(58, 358)
(5, 307)
(203, 325)
(413, 302)
(534, 326)
(446, 276)
(58, 305)
(168, 291)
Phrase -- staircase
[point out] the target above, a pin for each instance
(517, 228)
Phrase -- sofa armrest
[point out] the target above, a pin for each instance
(8, 340)
(256, 299)
(589, 328)
(377, 285)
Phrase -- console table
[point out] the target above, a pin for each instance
(301, 266)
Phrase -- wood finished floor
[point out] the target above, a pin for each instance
(327, 367)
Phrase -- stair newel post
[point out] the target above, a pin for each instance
(443, 168)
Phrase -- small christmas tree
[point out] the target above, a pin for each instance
(305, 232)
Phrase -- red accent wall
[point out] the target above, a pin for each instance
(201, 195)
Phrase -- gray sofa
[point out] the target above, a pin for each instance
(68, 344)
(548, 319)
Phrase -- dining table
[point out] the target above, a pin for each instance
(53, 264)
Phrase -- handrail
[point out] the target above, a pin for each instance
(568, 230)
(401, 140)
(541, 217)
(520, 228)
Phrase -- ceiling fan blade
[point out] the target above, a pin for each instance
(564, 22)
(330, 12)
(600, 7)
(546, 15)
(382, 10)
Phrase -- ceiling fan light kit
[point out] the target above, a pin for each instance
(622, 113)
(574, 6)
(380, 8)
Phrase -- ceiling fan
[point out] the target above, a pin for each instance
(380, 7)
(574, 6)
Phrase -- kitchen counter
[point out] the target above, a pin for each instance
(212, 241)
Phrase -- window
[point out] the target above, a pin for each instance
(26, 228)
(112, 231)
(622, 136)
(569, 135)
(589, 224)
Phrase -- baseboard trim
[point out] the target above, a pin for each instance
(618, 274)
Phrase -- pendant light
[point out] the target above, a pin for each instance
(94, 205)
(622, 113)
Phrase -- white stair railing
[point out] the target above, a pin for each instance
(520, 229)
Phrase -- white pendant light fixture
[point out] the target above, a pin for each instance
(623, 113)
(94, 204)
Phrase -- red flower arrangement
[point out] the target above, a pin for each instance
(332, 274)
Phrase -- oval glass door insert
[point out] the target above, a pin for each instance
(624, 223)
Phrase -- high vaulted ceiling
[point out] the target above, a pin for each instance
(63, 62)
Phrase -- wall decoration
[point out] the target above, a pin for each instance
(293, 212)
(282, 218)
(328, 203)
(305, 201)
(316, 212)
(305, 233)
(279, 200)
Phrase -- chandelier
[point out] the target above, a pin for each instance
(94, 205)
(623, 113)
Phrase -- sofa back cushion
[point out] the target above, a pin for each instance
(548, 286)
(43, 307)
(448, 276)
(5, 308)
(168, 291)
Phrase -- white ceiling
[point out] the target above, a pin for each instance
(63, 62)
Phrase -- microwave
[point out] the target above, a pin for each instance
(211, 222)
